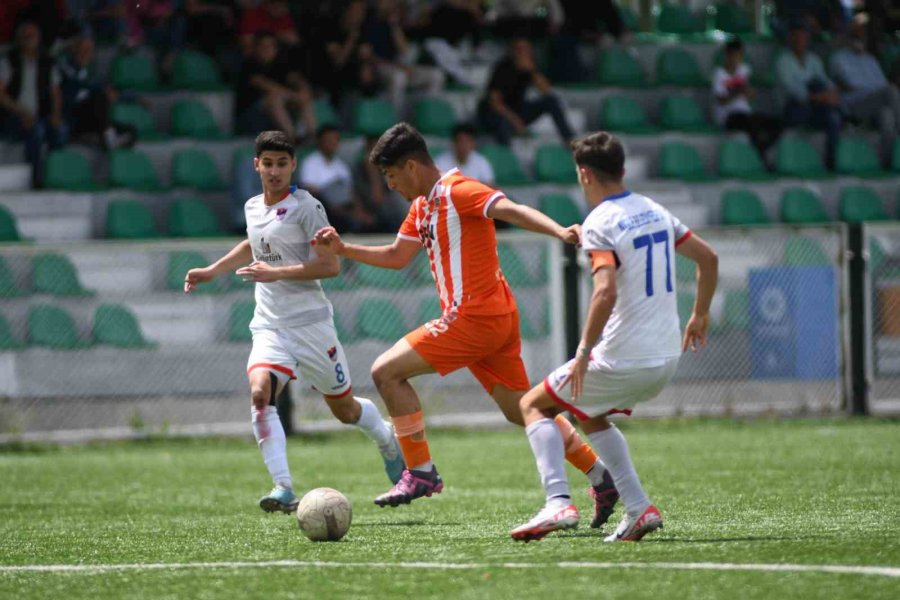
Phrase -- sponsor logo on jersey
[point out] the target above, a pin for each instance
(332, 353)
(280, 213)
(640, 219)
(265, 254)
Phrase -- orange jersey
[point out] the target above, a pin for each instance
(461, 242)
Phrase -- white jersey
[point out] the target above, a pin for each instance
(642, 235)
(280, 235)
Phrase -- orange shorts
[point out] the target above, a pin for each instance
(489, 345)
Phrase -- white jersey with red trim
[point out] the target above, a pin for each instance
(642, 235)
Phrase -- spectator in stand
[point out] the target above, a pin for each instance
(808, 96)
(30, 97)
(866, 94)
(443, 26)
(9, 16)
(393, 58)
(371, 192)
(209, 22)
(159, 24)
(345, 64)
(273, 16)
(87, 99)
(108, 19)
(470, 162)
(526, 18)
(581, 24)
(504, 111)
(732, 93)
(271, 95)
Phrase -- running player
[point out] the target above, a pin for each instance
(293, 327)
(452, 217)
(631, 241)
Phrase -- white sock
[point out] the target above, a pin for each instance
(272, 442)
(550, 454)
(371, 423)
(595, 475)
(611, 445)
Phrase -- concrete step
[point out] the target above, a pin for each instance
(15, 177)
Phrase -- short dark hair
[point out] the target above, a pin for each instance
(464, 129)
(326, 128)
(274, 141)
(398, 144)
(602, 152)
(734, 45)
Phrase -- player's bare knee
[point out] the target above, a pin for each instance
(259, 396)
(382, 372)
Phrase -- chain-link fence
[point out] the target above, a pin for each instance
(882, 241)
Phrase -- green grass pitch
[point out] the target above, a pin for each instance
(817, 492)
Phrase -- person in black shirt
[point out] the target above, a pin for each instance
(345, 61)
(504, 111)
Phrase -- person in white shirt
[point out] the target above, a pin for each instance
(630, 343)
(293, 327)
(464, 156)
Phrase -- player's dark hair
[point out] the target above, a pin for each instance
(464, 129)
(274, 141)
(326, 128)
(400, 143)
(602, 152)
(734, 45)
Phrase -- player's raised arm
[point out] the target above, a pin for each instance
(528, 218)
(392, 256)
(707, 261)
(239, 255)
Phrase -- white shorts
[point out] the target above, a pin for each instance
(611, 389)
(311, 353)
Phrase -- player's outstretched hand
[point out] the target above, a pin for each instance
(195, 276)
(695, 333)
(329, 240)
(572, 235)
(258, 272)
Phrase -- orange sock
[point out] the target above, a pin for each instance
(410, 430)
(578, 452)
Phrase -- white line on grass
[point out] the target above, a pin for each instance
(668, 566)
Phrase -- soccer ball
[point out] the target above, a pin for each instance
(324, 514)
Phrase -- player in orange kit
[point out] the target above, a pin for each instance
(452, 217)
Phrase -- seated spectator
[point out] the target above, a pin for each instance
(583, 22)
(808, 96)
(442, 28)
(273, 16)
(30, 97)
(345, 63)
(157, 23)
(86, 99)
(271, 95)
(866, 95)
(464, 156)
(504, 111)
(731, 96)
(108, 19)
(526, 18)
(371, 192)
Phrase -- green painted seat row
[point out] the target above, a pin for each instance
(53, 327)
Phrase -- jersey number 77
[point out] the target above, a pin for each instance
(647, 241)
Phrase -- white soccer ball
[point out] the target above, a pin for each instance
(324, 514)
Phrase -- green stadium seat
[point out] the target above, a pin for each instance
(325, 113)
(797, 158)
(135, 115)
(685, 269)
(380, 319)
(678, 160)
(196, 71)
(685, 304)
(195, 168)
(53, 327)
(561, 208)
(507, 169)
(736, 313)
(9, 231)
(336, 283)
(377, 277)
(69, 170)
(514, 270)
(8, 285)
(619, 67)
(434, 116)
(192, 218)
(895, 156)
(682, 113)
(738, 159)
(193, 119)
(7, 340)
(800, 206)
(429, 309)
(55, 274)
(115, 325)
(731, 18)
(624, 114)
(133, 170)
(343, 334)
(373, 116)
(856, 157)
(129, 220)
(677, 19)
(743, 207)
(803, 251)
(239, 316)
(553, 164)
(134, 72)
(676, 66)
(860, 203)
(182, 261)
(421, 270)
(527, 330)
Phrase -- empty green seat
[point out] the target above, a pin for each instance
(856, 157)
(192, 218)
(677, 19)
(860, 203)
(561, 208)
(133, 170)
(134, 72)
(381, 278)
(135, 115)
(193, 119)
(196, 71)
(685, 269)
(621, 113)
(421, 270)
(373, 116)
(802, 251)
(731, 18)
(797, 158)
(8, 286)
(69, 170)
(682, 113)
(195, 168)
(619, 67)
(53, 327)
(507, 169)
(553, 163)
(515, 271)
(800, 205)
(429, 309)
(895, 156)
(380, 319)
(685, 305)
(434, 116)
(738, 159)
(9, 231)
(239, 316)
(115, 325)
(325, 113)
(736, 313)
(743, 207)
(55, 274)
(678, 160)
(676, 66)
(7, 340)
(129, 220)
(182, 261)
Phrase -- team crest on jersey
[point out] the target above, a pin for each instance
(279, 214)
(332, 353)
